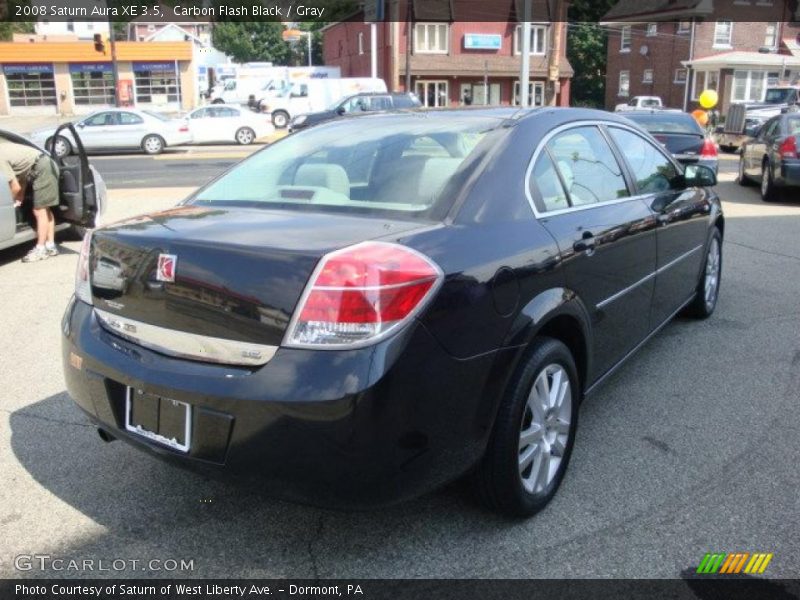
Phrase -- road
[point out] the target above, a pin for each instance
(692, 447)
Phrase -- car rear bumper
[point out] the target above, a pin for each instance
(790, 172)
(346, 428)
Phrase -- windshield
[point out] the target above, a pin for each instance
(397, 164)
(780, 96)
(675, 123)
(156, 115)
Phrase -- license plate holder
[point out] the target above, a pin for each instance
(162, 420)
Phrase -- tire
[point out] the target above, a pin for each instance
(153, 144)
(245, 136)
(62, 147)
(742, 179)
(280, 119)
(705, 301)
(218, 101)
(728, 149)
(768, 191)
(506, 477)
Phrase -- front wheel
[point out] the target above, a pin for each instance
(245, 136)
(153, 144)
(533, 435)
(280, 119)
(705, 301)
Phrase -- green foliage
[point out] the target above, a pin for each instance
(587, 51)
(250, 41)
(7, 30)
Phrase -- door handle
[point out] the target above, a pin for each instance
(587, 243)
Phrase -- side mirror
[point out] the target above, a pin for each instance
(340, 110)
(699, 176)
(81, 125)
(752, 130)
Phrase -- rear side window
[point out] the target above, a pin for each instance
(403, 102)
(793, 126)
(587, 166)
(653, 171)
(130, 119)
(380, 103)
(546, 188)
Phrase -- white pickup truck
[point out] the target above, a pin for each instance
(640, 103)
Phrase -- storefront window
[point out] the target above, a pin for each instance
(156, 83)
(30, 85)
(92, 84)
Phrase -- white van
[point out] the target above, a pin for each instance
(239, 91)
(252, 84)
(313, 95)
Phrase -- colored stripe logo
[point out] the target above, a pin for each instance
(734, 563)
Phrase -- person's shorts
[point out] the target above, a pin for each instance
(44, 176)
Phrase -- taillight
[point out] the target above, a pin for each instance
(361, 294)
(83, 286)
(788, 148)
(709, 149)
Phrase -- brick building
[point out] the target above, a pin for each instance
(675, 49)
(450, 60)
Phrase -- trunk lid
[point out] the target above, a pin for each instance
(681, 143)
(238, 273)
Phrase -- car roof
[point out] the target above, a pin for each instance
(659, 113)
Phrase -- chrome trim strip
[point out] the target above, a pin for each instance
(647, 278)
(183, 344)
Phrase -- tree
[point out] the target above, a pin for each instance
(587, 45)
(7, 30)
(251, 41)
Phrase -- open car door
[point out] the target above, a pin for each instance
(80, 192)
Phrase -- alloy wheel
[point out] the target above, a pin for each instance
(244, 137)
(712, 273)
(153, 145)
(545, 428)
(61, 148)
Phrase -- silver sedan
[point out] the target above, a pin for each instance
(120, 129)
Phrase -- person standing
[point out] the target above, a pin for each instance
(23, 166)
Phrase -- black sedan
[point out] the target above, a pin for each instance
(681, 134)
(357, 104)
(772, 156)
(371, 308)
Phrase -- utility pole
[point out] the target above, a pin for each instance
(373, 49)
(554, 66)
(409, 42)
(113, 43)
(525, 67)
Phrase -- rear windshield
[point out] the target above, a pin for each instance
(793, 125)
(664, 123)
(158, 116)
(363, 165)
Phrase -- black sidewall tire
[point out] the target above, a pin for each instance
(280, 115)
(496, 478)
(66, 143)
(698, 308)
(252, 136)
(742, 180)
(161, 147)
(770, 194)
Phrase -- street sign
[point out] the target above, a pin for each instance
(482, 41)
(373, 11)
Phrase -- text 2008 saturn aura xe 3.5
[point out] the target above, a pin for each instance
(376, 306)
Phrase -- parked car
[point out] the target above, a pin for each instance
(356, 104)
(681, 134)
(372, 307)
(639, 103)
(120, 129)
(82, 194)
(226, 124)
(772, 157)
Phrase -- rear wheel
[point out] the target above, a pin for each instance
(533, 435)
(280, 119)
(61, 148)
(705, 301)
(742, 179)
(245, 136)
(768, 191)
(218, 101)
(153, 144)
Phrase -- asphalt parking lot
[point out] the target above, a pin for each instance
(692, 447)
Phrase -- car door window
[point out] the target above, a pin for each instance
(130, 119)
(587, 166)
(770, 129)
(380, 103)
(200, 114)
(226, 111)
(546, 189)
(652, 171)
(101, 120)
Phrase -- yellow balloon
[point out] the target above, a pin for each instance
(709, 99)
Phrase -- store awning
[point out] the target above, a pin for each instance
(65, 52)
(745, 60)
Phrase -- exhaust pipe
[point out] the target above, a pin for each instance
(105, 436)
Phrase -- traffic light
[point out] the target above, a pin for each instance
(99, 45)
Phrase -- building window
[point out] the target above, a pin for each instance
(432, 93)
(680, 75)
(151, 28)
(652, 29)
(704, 80)
(684, 26)
(538, 39)
(773, 78)
(70, 25)
(723, 31)
(748, 86)
(624, 83)
(156, 83)
(89, 26)
(647, 76)
(475, 94)
(535, 93)
(771, 36)
(431, 38)
(92, 84)
(625, 39)
(361, 42)
(30, 85)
